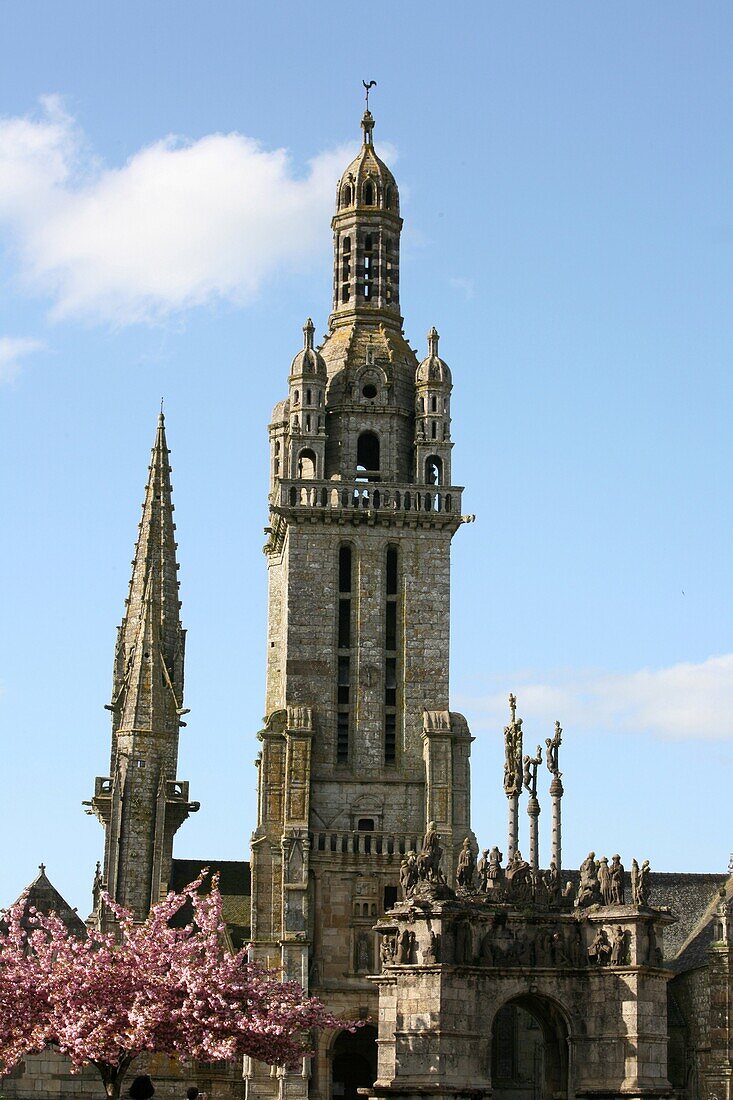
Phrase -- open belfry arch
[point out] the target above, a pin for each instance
(359, 747)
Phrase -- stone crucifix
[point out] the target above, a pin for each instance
(531, 764)
(552, 745)
(513, 773)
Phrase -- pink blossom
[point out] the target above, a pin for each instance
(146, 987)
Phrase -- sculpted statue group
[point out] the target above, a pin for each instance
(503, 943)
(600, 883)
(421, 872)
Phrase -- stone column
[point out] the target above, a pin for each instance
(533, 809)
(513, 837)
(556, 793)
(513, 774)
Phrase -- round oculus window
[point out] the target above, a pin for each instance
(369, 391)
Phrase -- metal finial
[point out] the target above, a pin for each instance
(371, 84)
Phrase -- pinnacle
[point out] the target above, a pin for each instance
(149, 664)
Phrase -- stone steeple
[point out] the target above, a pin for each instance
(360, 749)
(141, 803)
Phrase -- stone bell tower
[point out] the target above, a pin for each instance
(359, 748)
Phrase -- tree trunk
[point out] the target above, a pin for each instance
(112, 1077)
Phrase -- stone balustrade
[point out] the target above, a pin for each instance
(387, 846)
(368, 496)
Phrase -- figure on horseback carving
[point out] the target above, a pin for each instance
(429, 860)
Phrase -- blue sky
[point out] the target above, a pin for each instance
(166, 180)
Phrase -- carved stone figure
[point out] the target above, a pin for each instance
(604, 880)
(599, 951)
(431, 855)
(495, 872)
(542, 948)
(643, 884)
(466, 869)
(482, 870)
(405, 945)
(463, 943)
(577, 958)
(618, 947)
(97, 887)
(531, 763)
(513, 753)
(408, 874)
(431, 953)
(617, 880)
(388, 949)
(551, 881)
(559, 950)
(588, 886)
(634, 882)
(653, 952)
(486, 953)
(363, 954)
(552, 753)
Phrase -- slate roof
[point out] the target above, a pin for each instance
(43, 896)
(689, 896)
(235, 887)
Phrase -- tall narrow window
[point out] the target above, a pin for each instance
(388, 252)
(345, 268)
(344, 639)
(391, 659)
(368, 267)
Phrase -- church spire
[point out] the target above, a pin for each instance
(142, 804)
(152, 611)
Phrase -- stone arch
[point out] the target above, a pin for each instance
(353, 1058)
(519, 1067)
(433, 470)
(307, 464)
(367, 454)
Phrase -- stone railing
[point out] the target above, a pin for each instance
(369, 496)
(382, 845)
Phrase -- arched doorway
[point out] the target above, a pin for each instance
(353, 1063)
(529, 1050)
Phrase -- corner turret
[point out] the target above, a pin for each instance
(433, 385)
(307, 410)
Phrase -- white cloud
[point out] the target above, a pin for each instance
(12, 350)
(182, 223)
(684, 701)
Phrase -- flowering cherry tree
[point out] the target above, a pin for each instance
(145, 987)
